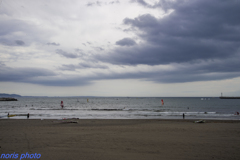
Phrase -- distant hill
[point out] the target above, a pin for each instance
(9, 95)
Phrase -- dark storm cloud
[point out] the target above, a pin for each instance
(19, 42)
(126, 42)
(184, 72)
(199, 71)
(195, 30)
(53, 44)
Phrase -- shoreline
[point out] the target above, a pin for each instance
(117, 119)
(113, 139)
(24, 116)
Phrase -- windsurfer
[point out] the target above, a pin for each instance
(62, 104)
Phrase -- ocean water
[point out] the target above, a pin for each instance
(121, 108)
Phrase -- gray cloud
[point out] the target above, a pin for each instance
(64, 80)
(67, 54)
(83, 65)
(201, 71)
(77, 53)
(11, 26)
(78, 50)
(2, 64)
(98, 48)
(19, 42)
(196, 31)
(185, 72)
(68, 67)
(53, 44)
(40, 76)
(99, 3)
(199, 39)
(145, 4)
(126, 42)
(113, 2)
(23, 74)
(9, 42)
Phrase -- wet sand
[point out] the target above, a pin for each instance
(121, 139)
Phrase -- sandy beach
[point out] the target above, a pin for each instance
(121, 139)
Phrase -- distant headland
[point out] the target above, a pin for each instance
(9, 95)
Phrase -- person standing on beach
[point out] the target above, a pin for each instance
(183, 116)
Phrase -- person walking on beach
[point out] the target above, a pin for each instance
(183, 116)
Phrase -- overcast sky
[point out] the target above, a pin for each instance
(120, 47)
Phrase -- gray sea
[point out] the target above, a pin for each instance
(121, 108)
